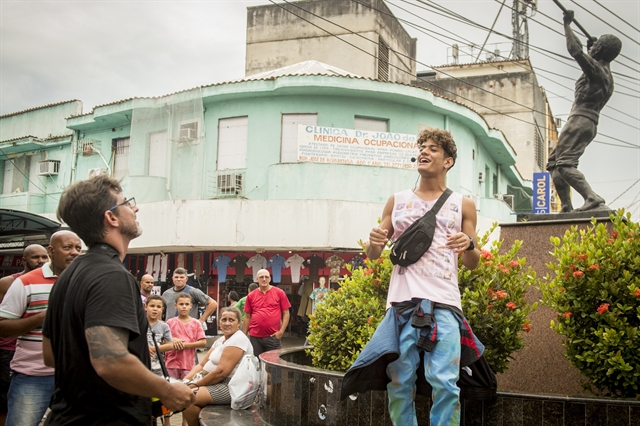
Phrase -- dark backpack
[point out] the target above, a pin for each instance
(416, 240)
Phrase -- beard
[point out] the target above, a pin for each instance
(131, 230)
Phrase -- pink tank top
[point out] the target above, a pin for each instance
(435, 275)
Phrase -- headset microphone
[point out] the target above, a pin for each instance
(413, 159)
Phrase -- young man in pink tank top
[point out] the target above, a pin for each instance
(433, 278)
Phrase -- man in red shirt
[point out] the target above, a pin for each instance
(266, 315)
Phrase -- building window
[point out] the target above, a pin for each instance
(232, 143)
(371, 124)
(158, 154)
(383, 60)
(494, 181)
(120, 157)
(15, 178)
(290, 123)
(7, 177)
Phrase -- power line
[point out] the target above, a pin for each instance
(602, 6)
(603, 21)
(562, 34)
(27, 177)
(625, 191)
(400, 54)
(443, 11)
(490, 30)
(619, 146)
(425, 31)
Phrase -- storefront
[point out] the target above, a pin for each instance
(18, 229)
(218, 273)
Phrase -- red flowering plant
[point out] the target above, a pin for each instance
(493, 299)
(347, 318)
(595, 290)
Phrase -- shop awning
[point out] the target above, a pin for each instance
(14, 223)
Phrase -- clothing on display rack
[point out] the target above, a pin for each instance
(256, 263)
(220, 264)
(295, 263)
(276, 263)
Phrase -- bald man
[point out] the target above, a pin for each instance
(33, 257)
(146, 286)
(22, 313)
(266, 315)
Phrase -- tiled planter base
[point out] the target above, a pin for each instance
(296, 394)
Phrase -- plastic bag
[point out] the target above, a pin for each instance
(245, 383)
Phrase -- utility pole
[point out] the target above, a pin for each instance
(520, 26)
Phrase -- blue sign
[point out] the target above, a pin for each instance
(541, 192)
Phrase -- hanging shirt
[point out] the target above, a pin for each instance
(239, 262)
(356, 262)
(277, 263)
(314, 263)
(318, 296)
(295, 262)
(256, 263)
(221, 263)
(335, 262)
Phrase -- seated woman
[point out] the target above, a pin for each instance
(218, 366)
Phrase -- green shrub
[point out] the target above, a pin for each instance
(596, 294)
(492, 299)
(346, 319)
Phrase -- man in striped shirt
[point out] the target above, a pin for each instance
(22, 313)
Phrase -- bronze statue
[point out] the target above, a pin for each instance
(593, 90)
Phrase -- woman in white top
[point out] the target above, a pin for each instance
(218, 366)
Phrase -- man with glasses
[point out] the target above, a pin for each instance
(266, 315)
(95, 328)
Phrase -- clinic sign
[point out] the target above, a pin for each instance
(541, 192)
(332, 145)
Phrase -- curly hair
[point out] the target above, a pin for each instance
(607, 48)
(442, 138)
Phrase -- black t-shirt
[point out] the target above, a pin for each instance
(95, 290)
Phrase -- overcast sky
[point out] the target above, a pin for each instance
(105, 51)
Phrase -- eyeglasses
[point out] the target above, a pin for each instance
(131, 202)
(266, 277)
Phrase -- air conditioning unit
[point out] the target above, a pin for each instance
(475, 200)
(87, 149)
(96, 172)
(507, 198)
(48, 168)
(230, 182)
(188, 133)
(482, 176)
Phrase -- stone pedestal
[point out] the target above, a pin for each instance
(541, 367)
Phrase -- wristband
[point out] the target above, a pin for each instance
(471, 245)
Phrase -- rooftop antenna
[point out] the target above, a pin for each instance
(520, 26)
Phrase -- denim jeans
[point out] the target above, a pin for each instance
(29, 397)
(441, 366)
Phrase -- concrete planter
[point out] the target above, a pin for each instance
(297, 394)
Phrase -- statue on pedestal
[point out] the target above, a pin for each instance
(593, 90)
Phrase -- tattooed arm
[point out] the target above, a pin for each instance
(111, 359)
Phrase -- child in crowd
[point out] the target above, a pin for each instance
(154, 307)
(187, 336)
